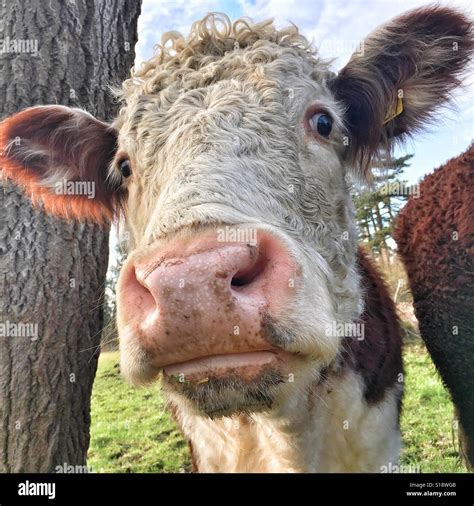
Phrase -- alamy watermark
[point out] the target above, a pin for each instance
(65, 187)
(400, 188)
(399, 468)
(35, 489)
(339, 329)
(334, 47)
(237, 234)
(19, 46)
(20, 329)
(72, 469)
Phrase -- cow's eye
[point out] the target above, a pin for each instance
(125, 168)
(320, 124)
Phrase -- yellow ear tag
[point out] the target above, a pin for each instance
(395, 111)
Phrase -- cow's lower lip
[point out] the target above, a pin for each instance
(246, 365)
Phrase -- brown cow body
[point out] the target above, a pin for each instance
(435, 238)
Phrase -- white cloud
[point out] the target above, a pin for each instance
(159, 16)
(336, 24)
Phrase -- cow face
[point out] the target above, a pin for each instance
(241, 224)
(229, 163)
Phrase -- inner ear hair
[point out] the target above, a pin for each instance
(47, 150)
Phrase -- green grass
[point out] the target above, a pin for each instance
(427, 418)
(132, 432)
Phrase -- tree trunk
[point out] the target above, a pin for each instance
(371, 214)
(384, 255)
(388, 205)
(52, 273)
(367, 230)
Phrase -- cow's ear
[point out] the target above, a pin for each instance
(61, 156)
(402, 73)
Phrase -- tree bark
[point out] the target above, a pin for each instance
(367, 230)
(384, 255)
(52, 273)
(388, 205)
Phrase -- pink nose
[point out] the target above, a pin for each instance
(200, 297)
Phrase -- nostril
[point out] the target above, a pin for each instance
(138, 282)
(249, 274)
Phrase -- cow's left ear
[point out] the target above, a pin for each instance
(402, 73)
(61, 156)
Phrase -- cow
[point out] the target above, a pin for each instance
(229, 167)
(435, 239)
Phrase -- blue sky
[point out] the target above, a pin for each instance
(335, 26)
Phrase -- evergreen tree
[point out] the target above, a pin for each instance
(378, 203)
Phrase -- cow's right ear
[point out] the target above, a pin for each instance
(61, 156)
(406, 70)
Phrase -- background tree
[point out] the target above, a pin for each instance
(378, 204)
(52, 273)
(110, 334)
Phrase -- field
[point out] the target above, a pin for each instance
(133, 433)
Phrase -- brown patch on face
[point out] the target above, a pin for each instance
(378, 356)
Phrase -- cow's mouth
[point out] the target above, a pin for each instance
(247, 366)
(225, 385)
